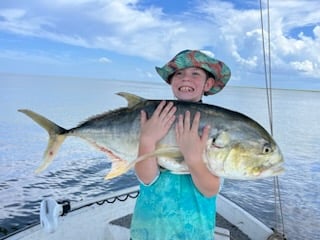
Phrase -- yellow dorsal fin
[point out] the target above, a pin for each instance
(131, 98)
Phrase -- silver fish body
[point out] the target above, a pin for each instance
(238, 147)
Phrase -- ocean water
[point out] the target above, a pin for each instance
(77, 172)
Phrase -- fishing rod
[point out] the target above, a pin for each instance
(279, 232)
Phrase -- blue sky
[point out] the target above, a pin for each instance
(126, 39)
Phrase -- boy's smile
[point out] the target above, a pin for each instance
(186, 89)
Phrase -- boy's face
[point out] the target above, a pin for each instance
(189, 84)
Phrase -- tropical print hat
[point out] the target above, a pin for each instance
(195, 58)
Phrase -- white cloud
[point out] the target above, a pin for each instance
(316, 32)
(125, 16)
(307, 67)
(18, 21)
(209, 53)
(144, 74)
(124, 26)
(12, 14)
(104, 60)
(240, 30)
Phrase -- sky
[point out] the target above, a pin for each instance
(126, 39)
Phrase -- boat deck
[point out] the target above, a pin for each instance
(221, 230)
(110, 218)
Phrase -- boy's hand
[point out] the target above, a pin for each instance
(158, 125)
(190, 143)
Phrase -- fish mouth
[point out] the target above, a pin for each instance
(275, 170)
(186, 89)
(277, 167)
(216, 146)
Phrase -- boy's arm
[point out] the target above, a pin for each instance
(207, 183)
(146, 170)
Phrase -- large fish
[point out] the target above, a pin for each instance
(238, 147)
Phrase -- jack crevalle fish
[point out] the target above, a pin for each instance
(238, 147)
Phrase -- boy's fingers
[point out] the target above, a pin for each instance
(159, 108)
(205, 133)
(143, 117)
(196, 121)
(167, 111)
(187, 120)
(179, 124)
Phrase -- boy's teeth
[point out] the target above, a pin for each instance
(186, 89)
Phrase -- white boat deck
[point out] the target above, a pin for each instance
(99, 220)
(123, 233)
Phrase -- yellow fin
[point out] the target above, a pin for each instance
(56, 133)
(118, 168)
(54, 144)
(131, 98)
(169, 152)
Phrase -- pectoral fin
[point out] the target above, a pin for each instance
(168, 152)
(168, 157)
(120, 166)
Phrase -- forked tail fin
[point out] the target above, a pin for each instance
(56, 137)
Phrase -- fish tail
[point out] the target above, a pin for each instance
(56, 137)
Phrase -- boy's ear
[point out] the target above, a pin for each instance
(209, 84)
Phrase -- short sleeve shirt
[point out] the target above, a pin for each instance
(172, 208)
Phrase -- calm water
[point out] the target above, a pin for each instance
(77, 173)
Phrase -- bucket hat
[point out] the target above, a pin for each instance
(195, 58)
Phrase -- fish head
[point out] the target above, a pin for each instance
(242, 155)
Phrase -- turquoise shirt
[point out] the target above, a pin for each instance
(172, 208)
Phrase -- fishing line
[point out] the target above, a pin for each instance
(267, 72)
(268, 82)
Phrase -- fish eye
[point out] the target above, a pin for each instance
(220, 139)
(266, 148)
(213, 142)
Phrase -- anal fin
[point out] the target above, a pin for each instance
(118, 165)
(118, 168)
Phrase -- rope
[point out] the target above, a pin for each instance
(267, 72)
(111, 200)
(268, 81)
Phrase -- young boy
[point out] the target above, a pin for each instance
(173, 206)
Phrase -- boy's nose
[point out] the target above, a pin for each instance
(186, 77)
